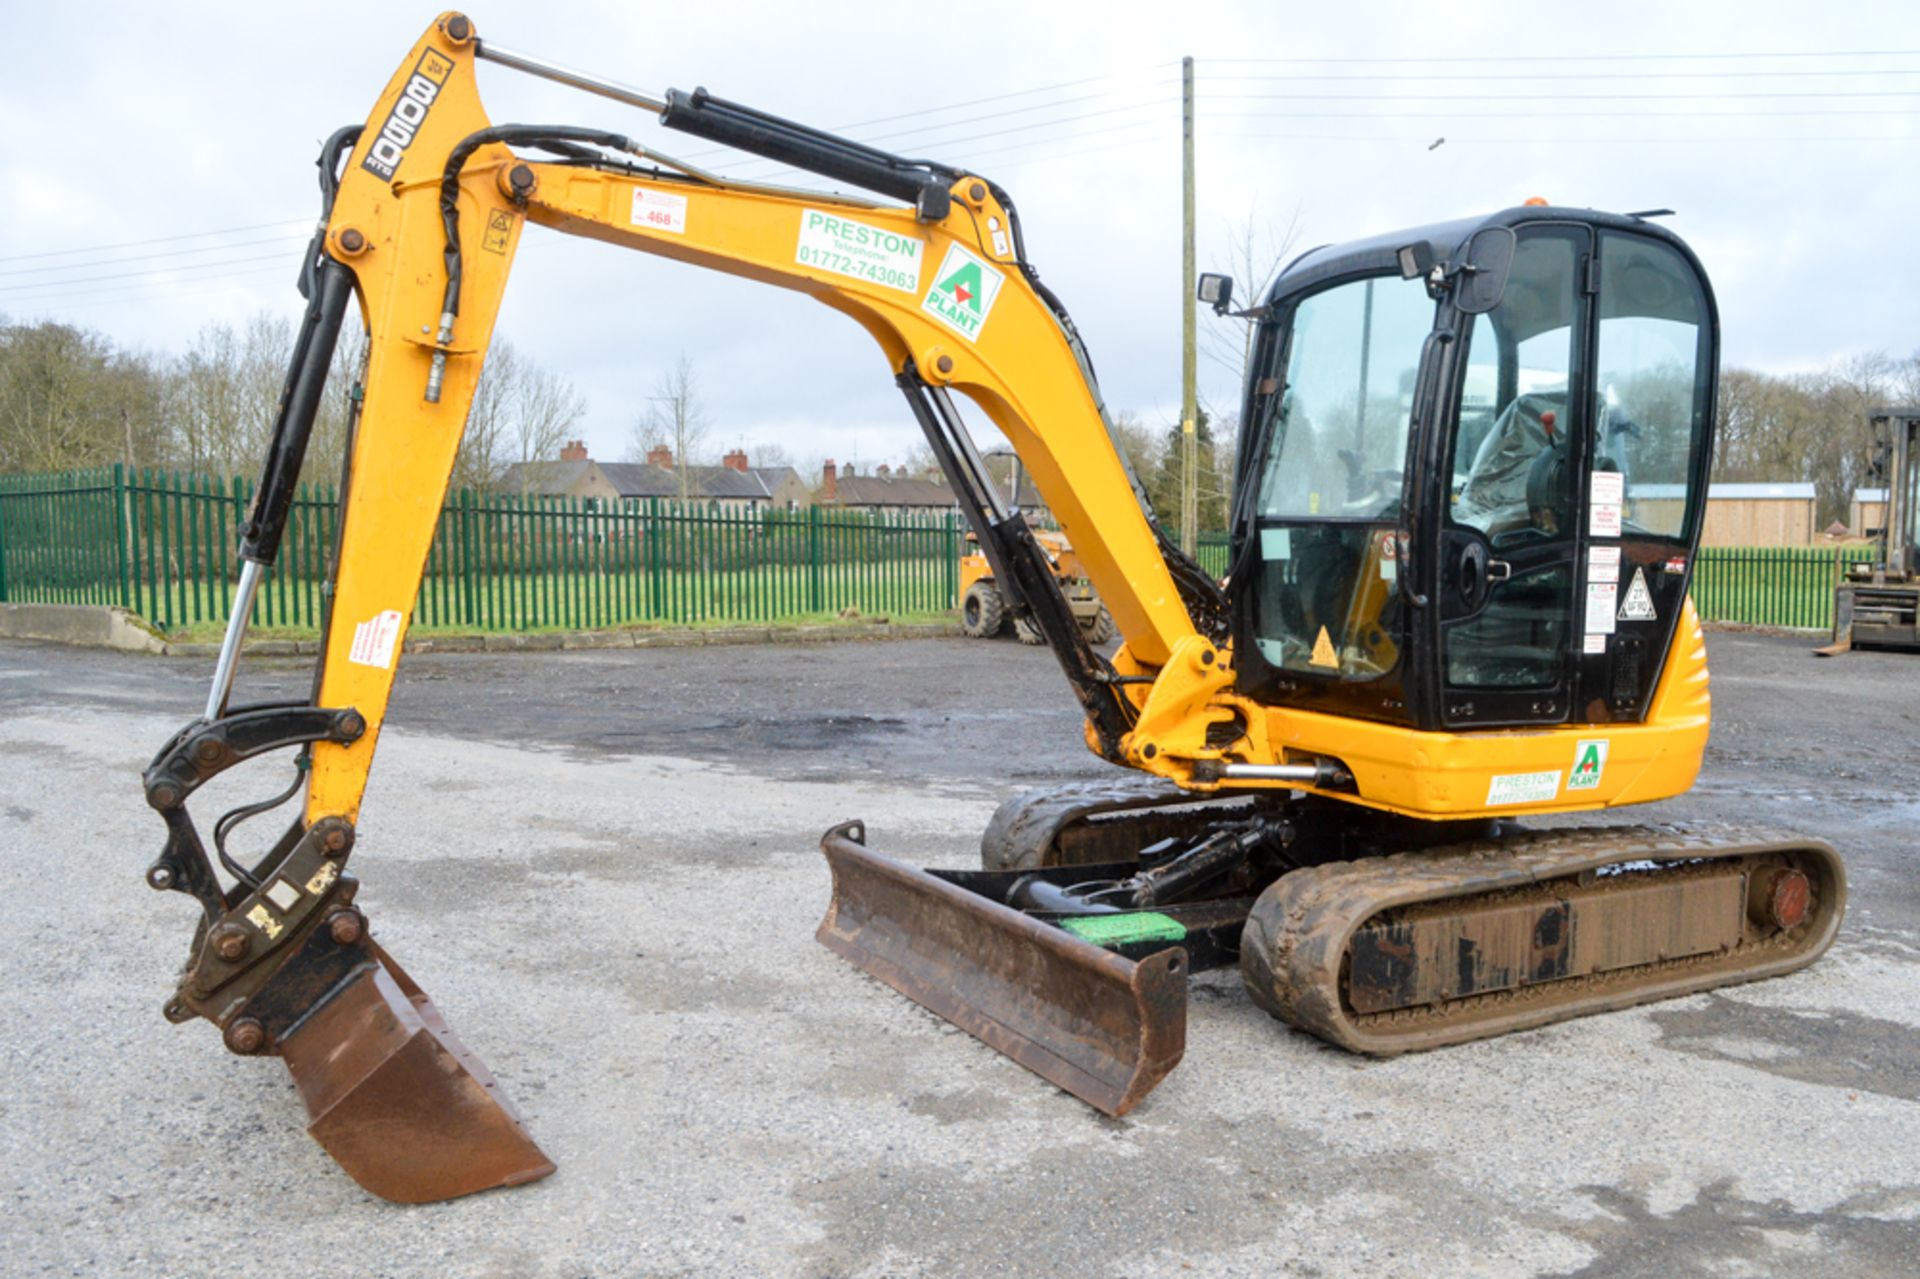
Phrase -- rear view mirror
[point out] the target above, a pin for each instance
(1216, 291)
(1483, 270)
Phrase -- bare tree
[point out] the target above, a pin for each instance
(1256, 250)
(674, 418)
(521, 412)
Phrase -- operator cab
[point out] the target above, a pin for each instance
(1471, 471)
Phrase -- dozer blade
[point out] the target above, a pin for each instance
(1102, 1027)
(398, 1100)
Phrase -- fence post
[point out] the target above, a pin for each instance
(466, 556)
(655, 609)
(815, 563)
(120, 530)
(955, 545)
(3, 552)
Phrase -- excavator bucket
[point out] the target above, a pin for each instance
(398, 1100)
(1103, 1027)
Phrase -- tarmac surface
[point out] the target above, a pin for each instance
(604, 868)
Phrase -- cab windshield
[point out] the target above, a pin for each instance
(1328, 599)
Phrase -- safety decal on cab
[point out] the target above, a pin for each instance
(1638, 606)
(1589, 764)
(963, 292)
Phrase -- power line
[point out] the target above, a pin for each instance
(1718, 56)
(1581, 75)
(165, 239)
(292, 263)
(155, 290)
(1558, 115)
(1563, 97)
(1425, 139)
(150, 257)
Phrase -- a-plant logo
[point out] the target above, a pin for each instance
(1589, 763)
(963, 292)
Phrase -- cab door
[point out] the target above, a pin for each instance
(1655, 356)
(1508, 533)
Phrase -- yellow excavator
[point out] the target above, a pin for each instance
(1457, 599)
(983, 608)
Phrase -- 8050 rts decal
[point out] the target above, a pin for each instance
(409, 112)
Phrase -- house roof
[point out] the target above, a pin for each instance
(721, 481)
(544, 477)
(1869, 495)
(774, 476)
(914, 490)
(637, 479)
(871, 490)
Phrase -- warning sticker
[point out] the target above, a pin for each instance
(1596, 644)
(1323, 654)
(1276, 543)
(1601, 598)
(283, 894)
(859, 250)
(1606, 493)
(499, 231)
(323, 878)
(373, 640)
(1523, 788)
(1638, 606)
(1389, 558)
(659, 210)
(1589, 762)
(963, 292)
(1603, 563)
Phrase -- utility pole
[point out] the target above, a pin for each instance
(1189, 371)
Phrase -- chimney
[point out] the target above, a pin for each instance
(735, 461)
(575, 451)
(829, 482)
(660, 455)
(884, 472)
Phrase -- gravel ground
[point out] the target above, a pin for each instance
(603, 865)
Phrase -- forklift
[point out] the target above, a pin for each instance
(1877, 603)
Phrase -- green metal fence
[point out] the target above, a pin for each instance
(1771, 585)
(162, 545)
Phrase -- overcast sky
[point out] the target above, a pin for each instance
(1794, 174)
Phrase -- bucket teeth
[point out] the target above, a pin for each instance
(398, 1101)
(1104, 1028)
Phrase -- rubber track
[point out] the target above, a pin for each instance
(1294, 948)
(1024, 831)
